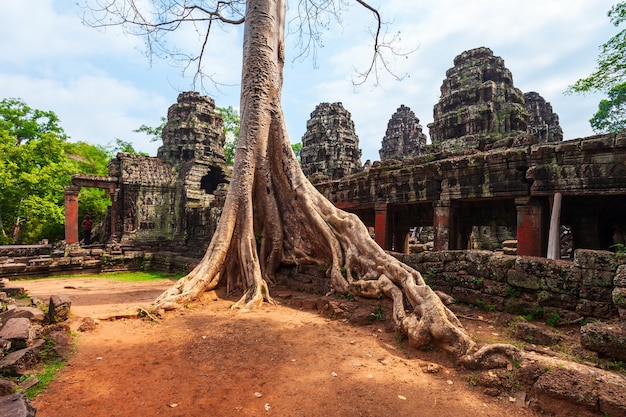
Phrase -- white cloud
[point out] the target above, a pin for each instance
(103, 87)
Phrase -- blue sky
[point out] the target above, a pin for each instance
(102, 85)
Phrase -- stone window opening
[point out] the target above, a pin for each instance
(212, 179)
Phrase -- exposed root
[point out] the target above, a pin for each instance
(254, 298)
(492, 356)
(142, 312)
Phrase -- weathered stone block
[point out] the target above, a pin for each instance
(588, 308)
(6, 388)
(59, 308)
(620, 276)
(13, 291)
(523, 280)
(605, 339)
(566, 391)
(595, 293)
(595, 259)
(619, 297)
(21, 361)
(17, 405)
(536, 334)
(598, 278)
(31, 313)
(17, 331)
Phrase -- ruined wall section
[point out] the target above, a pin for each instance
(404, 137)
(330, 146)
(193, 131)
(193, 142)
(544, 122)
(145, 199)
(479, 104)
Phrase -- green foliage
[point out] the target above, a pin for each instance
(36, 163)
(378, 314)
(231, 125)
(297, 149)
(46, 376)
(230, 116)
(611, 114)
(620, 250)
(553, 319)
(609, 76)
(126, 147)
(155, 132)
(611, 68)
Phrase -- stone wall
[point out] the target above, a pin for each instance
(543, 288)
(562, 291)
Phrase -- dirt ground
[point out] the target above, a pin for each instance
(207, 360)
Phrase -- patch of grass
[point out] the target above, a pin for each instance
(378, 314)
(553, 319)
(349, 296)
(45, 377)
(127, 276)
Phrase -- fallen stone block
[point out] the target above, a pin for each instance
(59, 308)
(17, 331)
(13, 291)
(7, 387)
(21, 361)
(17, 405)
(605, 339)
(31, 313)
(538, 335)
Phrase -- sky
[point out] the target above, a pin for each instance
(102, 85)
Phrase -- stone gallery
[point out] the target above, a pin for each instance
(497, 160)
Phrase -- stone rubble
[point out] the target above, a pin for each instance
(26, 334)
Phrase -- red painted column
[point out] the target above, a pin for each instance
(71, 214)
(441, 225)
(529, 227)
(381, 226)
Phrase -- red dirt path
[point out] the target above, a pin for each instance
(210, 361)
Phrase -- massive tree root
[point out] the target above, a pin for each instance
(273, 214)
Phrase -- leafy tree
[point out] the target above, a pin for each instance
(126, 147)
(609, 76)
(297, 149)
(155, 132)
(24, 123)
(36, 163)
(272, 213)
(231, 124)
(611, 114)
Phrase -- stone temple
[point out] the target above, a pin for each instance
(544, 123)
(479, 104)
(330, 146)
(497, 159)
(404, 137)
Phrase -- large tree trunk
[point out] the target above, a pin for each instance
(273, 214)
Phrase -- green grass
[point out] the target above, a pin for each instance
(126, 276)
(45, 377)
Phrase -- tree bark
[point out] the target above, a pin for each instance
(273, 214)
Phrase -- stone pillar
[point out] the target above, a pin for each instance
(400, 240)
(529, 227)
(554, 238)
(115, 212)
(381, 226)
(441, 224)
(71, 214)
